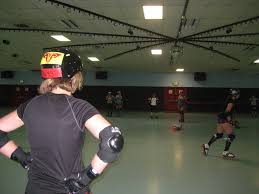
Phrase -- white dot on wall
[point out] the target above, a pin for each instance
(21, 81)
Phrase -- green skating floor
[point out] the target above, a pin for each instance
(156, 160)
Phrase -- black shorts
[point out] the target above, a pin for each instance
(153, 108)
(221, 118)
(33, 188)
(41, 184)
(253, 107)
(181, 109)
(110, 106)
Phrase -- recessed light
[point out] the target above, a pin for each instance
(156, 52)
(153, 12)
(60, 38)
(256, 61)
(93, 59)
(180, 70)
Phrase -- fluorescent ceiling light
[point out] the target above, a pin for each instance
(153, 12)
(256, 61)
(180, 70)
(93, 59)
(60, 38)
(156, 52)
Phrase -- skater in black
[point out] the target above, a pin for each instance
(118, 101)
(181, 102)
(225, 125)
(56, 122)
(109, 103)
(253, 106)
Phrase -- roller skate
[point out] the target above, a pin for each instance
(205, 149)
(228, 155)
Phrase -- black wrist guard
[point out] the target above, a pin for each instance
(81, 181)
(22, 157)
(88, 175)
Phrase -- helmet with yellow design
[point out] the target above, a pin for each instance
(60, 63)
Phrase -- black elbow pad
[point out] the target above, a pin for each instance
(111, 144)
(3, 138)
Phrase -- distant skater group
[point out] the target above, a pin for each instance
(114, 102)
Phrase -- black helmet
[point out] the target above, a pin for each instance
(60, 63)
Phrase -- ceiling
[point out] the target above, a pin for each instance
(221, 53)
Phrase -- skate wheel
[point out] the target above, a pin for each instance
(174, 128)
(204, 150)
(228, 158)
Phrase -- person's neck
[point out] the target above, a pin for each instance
(58, 90)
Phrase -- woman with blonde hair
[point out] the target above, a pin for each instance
(55, 122)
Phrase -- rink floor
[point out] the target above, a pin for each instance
(157, 160)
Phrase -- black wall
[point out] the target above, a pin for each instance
(199, 99)
(135, 98)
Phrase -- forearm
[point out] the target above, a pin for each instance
(15, 153)
(98, 165)
(8, 149)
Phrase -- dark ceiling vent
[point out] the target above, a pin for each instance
(73, 23)
(98, 67)
(235, 69)
(249, 48)
(27, 62)
(191, 23)
(21, 25)
(70, 24)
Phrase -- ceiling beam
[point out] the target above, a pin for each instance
(212, 50)
(225, 42)
(105, 18)
(252, 19)
(77, 33)
(137, 49)
(182, 20)
(105, 44)
(224, 36)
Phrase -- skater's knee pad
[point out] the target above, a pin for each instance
(218, 135)
(231, 137)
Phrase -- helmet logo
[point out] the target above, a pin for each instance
(52, 58)
(49, 56)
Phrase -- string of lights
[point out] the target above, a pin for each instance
(204, 37)
(105, 18)
(137, 49)
(91, 34)
(224, 36)
(104, 44)
(212, 50)
(246, 21)
(226, 42)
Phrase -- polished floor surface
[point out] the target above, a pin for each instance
(157, 160)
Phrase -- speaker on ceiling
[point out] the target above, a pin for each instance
(200, 76)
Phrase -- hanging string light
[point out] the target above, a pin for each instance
(78, 33)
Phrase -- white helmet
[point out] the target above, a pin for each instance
(234, 92)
